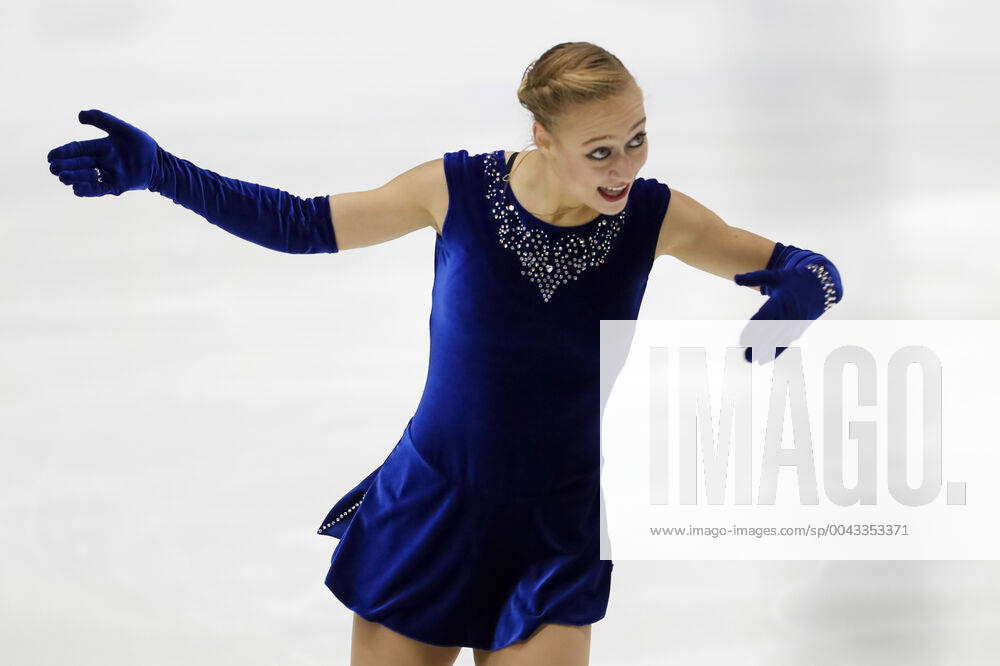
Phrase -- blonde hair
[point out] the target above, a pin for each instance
(567, 74)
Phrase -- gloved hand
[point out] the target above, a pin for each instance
(124, 160)
(801, 286)
(129, 159)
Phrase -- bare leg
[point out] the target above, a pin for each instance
(563, 644)
(373, 644)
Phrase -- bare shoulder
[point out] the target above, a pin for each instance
(427, 185)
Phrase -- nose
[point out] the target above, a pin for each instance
(621, 169)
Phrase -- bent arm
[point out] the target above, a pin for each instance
(700, 238)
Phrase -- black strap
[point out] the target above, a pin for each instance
(510, 161)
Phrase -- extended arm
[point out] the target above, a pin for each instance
(129, 159)
(288, 223)
(267, 216)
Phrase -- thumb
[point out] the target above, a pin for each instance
(755, 278)
(101, 120)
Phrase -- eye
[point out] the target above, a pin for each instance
(640, 137)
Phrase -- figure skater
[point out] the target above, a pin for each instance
(480, 527)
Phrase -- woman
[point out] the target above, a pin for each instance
(480, 528)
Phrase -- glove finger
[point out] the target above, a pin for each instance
(792, 329)
(789, 331)
(771, 310)
(74, 176)
(782, 331)
(93, 147)
(766, 353)
(93, 189)
(85, 162)
(762, 333)
(104, 121)
(756, 278)
(758, 327)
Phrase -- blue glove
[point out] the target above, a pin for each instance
(129, 159)
(117, 163)
(801, 285)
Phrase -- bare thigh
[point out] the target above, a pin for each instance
(562, 644)
(373, 644)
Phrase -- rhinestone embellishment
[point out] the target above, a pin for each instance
(829, 291)
(547, 262)
(343, 515)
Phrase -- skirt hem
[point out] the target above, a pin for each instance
(523, 635)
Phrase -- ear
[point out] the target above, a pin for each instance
(542, 138)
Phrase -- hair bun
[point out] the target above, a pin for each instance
(567, 74)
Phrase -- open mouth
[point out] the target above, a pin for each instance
(613, 195)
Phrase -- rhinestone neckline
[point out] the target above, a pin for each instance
(550, 255)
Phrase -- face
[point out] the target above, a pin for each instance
(595, 146)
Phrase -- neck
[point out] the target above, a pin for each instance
(535, 185)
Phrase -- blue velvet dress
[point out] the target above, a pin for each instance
(482, 523)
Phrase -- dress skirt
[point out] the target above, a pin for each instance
(447, 564)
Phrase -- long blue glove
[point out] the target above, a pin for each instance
(129, 159)
(801, 286)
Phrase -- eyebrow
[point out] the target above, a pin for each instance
(608, 136)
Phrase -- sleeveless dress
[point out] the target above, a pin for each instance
(482, 522)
